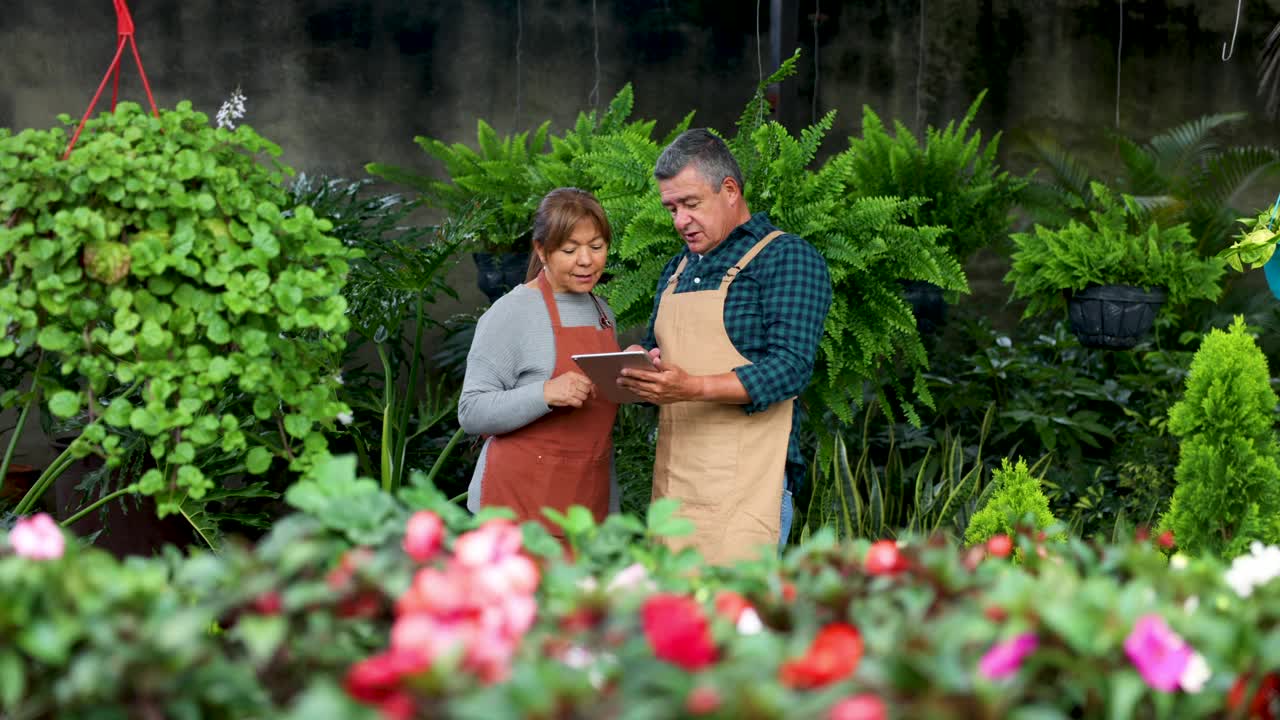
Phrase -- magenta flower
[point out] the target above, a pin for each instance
(1160, 654)
(37, 538)
(1004, 658)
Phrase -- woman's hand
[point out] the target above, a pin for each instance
(568, 390)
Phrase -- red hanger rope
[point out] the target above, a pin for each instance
(124, 33)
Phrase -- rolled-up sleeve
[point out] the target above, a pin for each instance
(795, 296)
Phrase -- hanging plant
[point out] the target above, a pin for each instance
(170, 290)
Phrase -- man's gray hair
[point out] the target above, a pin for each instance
(705, 152)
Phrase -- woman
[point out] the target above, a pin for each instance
(549, 433)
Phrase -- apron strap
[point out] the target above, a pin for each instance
(732, 272)
(675, 276)
(550, 299)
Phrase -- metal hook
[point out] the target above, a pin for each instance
(1226, 54)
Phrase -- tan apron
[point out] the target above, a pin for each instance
(726, 467)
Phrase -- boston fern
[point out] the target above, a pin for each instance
(1115, 248)
(867, 242)
(962, 186)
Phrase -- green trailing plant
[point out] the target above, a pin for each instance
(1186, 174)
(962, 185)
(1016, 496)
(1228, 476)
(157, 271)
(1118, 246)
(1255, 244)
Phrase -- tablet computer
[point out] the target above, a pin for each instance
(604, 369)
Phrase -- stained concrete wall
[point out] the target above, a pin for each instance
(339, 83)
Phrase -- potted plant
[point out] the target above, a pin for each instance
(1256, 247)
(497, 177)
(961, 187)
(168, 290)
(1113, 273)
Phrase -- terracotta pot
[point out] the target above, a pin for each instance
(17, 481)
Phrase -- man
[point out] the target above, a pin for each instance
(735, 326)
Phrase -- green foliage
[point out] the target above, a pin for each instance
(1256, 243)
(274, 630)
(868, 243)
(1110, 250)
(1187, 174)
(1228, 491)
(401, 417)
(160, 271)
(887, 487)
(1015, 497)
(960, 183)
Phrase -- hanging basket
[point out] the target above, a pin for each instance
(927, 303)
(498, 273)
(1113, 317)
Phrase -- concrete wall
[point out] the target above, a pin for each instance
(339, 83)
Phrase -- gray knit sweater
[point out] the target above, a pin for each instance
(512, 355)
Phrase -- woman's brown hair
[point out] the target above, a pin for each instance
(557, 214)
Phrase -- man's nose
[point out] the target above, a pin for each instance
(682, 219)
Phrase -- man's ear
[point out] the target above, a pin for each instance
(731, 186)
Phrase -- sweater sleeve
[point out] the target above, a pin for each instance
(502, 388)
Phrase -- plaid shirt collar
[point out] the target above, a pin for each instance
(739, 241)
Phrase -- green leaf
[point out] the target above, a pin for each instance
(1125, 688)
(662, 521)
(258, 460)
(261, 635)
(13, 680)
(64, 403)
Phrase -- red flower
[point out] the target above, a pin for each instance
(730, 605)
(859, 707)
(884, 559)
(399, 706)
(833, 656)
(1000, 545)
(424, 535)
(788, 591)
(702, 700)
(1166, 540)
(677, 631)
(377, 678)
(1266, 702)
(361, 605)
(268, 603)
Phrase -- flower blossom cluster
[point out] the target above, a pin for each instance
(37, 538)
(1164, 660)
(1259, 567)
(468, 611)
(231, 110)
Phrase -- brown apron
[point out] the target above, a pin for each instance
(564, 457)
(726, 467)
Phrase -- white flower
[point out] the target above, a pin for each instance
(231, 110)
(1195, 674)
(749, 622)
(345, 418)
(1178, 562)
(578, 658)
(1191, 604)
(338, 379)
(1004, 341)
(1259, 567)
(632, 577)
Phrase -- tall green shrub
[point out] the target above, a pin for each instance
(1228, 476)
(1015, 495)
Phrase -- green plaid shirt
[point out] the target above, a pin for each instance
(773, 314)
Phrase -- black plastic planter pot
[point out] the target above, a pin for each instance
(927, 303)
(1113, 317)
(497, 273)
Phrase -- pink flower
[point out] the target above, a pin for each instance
(1004, 658)
(859, 707)
(37, 538)
(489, 544)
(424, 535)
(1160, 655)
